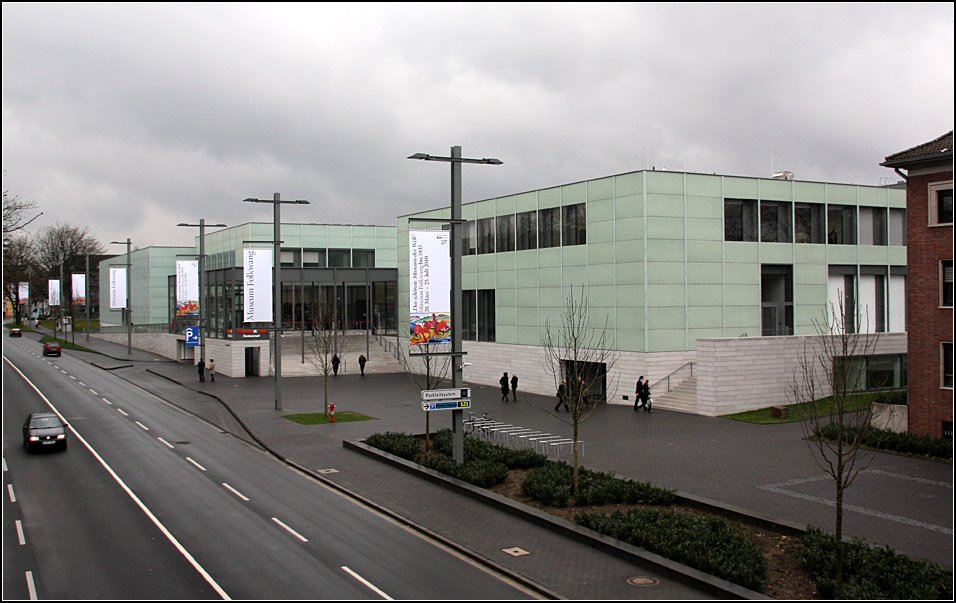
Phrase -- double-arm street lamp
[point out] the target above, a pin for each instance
(456, 315)
(129, 298)
(277, 287)
(202, 275)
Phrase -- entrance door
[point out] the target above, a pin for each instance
(592, 374)
(252, 362)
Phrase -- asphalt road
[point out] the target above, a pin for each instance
(227, 519)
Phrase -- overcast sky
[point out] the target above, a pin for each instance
(131, 118)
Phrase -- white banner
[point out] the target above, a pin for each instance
(23, 292)
(79, 289)
(429, 275)
(257, 285)
(187, 287)
(53, 299)
(117, 288)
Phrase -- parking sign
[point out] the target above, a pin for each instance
(192, 337)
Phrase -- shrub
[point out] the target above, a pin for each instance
(399, 444)
(871, 572)
(710, 544)
(904, 443)
(482, 473)
(549, 484)
(896, 396)
(552, 485)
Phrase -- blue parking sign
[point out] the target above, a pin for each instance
(192, 337)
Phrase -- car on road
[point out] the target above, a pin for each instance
(52, 348)
(44, 430)
(15, 332)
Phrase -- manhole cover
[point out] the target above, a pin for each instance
(643, 581)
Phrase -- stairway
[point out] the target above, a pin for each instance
(682, 398)
(350, 346)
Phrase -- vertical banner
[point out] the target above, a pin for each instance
(187, 287)
(117, 288)
(23, 292)
(257, 285)
(53, 299)
(79, 289)
(429, 275)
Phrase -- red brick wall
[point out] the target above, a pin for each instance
(926, 323)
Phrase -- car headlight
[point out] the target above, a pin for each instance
(61, 436)
(34, 439)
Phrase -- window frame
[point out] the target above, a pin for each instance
(944, 364)
(943, 284)
(752, 221)
(933, 197)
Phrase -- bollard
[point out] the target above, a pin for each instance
(332, 413)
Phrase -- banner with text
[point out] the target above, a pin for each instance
(117, 288)
(53, 299)
(23, 293)
(257, 285)
(429, 275)
(187, 287)
(79, 289)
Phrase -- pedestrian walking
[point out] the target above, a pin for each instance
(362, 361)
(514, 387)
(335, 364)
(562, 398)
(639, 393)
(646, 396)
(504, 386)
(202, 370)
(212, 370)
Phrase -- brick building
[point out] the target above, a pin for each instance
(929, 203)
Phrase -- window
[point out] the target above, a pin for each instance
(946, 357)
(527, 230)
(808, 226)
(775, 222)
(363, 258)
(505, 226)
(841, 225)
(897, 227)
(469, 238)
(486, 235)
(339, 258)
(946, 283)
(574, 224)
(469, 313)
(872, 226)
(740, 220)
(941, 203)
(549, 227)
(879, 305)
(313, 258)
(288, 257)
(776, 296)
(486, 315)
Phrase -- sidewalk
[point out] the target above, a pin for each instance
(765, 469)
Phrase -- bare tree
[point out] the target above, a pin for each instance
(577, 356)
(16, 213)
(830, 368)
(58, 244)
(436, 370)
(322, 349)
(19, 266)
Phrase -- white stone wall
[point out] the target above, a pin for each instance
(734, 375)
(230, 355)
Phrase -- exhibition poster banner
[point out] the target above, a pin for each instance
(257, 285)
(79, 289)
(23, 292)
(429, 275)
(187, 287)
(53, 299)
(117, 288)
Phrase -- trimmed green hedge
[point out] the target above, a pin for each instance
(872, 573)
(552, 485)
(708, 543)
(905, 443)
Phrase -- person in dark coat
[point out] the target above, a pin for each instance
(335, 364)
(514, 387)
(202, 370)
(562, 398)
(639, 393)
(646, 395)
(362, 361)
(504, 386)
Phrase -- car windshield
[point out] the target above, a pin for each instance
(44, 422)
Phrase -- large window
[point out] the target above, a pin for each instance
(574, 225)
(486, 315)
(527, 231)
(809, 223)
(941, 203)
(549, 227)
(776, 296)
(486, 235)
(897, 235)
(775, 222)
(740, 220)
(469, 238)
(946, 283)
(505, 226)
(339, 258)
(363, 258)
(946, 358)
(469, 315)
(841, 225)
(872, 226)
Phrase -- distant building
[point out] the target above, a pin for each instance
(929, 202)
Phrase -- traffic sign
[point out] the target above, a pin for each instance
(446, 405)
(192, 337)
(429, 395)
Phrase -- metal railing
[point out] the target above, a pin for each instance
(673, 374)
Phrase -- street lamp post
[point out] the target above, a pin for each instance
(202, 275)
(129, 298)
(277, 287)
(458, 445)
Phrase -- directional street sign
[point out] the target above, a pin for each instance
(192, 337)
(429, 395)
(446, 405)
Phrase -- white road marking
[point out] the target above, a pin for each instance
(5, 463)
(20, 535)
(93, 391)
(31, 587)
(236, 492)
(71, 377)
(81, 383)
(165, 442)
(141, 425)
(107, 401)
(122, 412)
(367, 584)
(13, 498)
(201, 468)
(159, 525)
(290, 530)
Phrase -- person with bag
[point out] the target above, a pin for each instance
(639, 394)
(646, 396)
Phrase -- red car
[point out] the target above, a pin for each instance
(51, 348)
(15, 332)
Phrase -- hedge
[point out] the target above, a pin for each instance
(552, 485)
(905, 443)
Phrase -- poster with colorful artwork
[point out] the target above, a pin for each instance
(429, 275)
